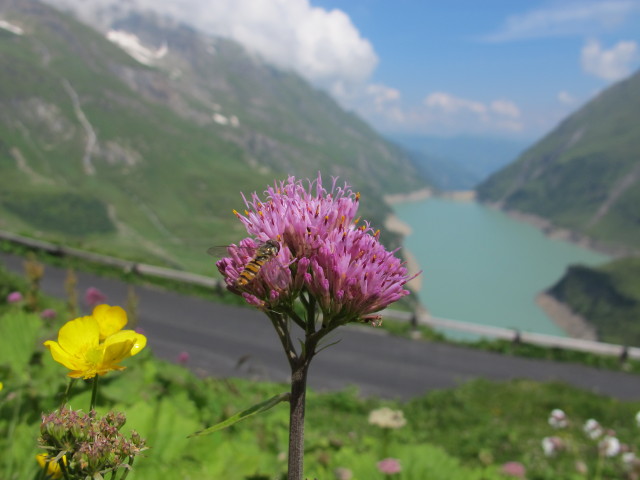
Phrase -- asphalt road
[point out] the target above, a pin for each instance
(226, 341)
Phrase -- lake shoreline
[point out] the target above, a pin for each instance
(564, 234)
(571, 323)
(558, 312)
(394, 224)
(574, 325)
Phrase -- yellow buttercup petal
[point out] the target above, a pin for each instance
(62, 356)
(79, 335)
(140, 343)
(53, 468)
(110, 319)
(79, 346)
(118, 346)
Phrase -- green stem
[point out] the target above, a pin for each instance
(296, 420)
(65, 397)
(127, 470)
(311, 315)
(283, 334)
(598, 473)
(43, 472)
(295, 317)
(63, 468)
(94, 393)
(299, 372)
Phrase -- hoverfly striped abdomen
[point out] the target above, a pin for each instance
(263, 254)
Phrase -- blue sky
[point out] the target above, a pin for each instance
(499, 68)
(543, 58)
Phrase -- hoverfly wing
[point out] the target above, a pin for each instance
(218, 251)
(221, 251)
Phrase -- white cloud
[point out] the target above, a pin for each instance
(451, 105)
(323, 46)
(612, 64)
(444, 113)
(566, 18)
(505, 108)
(381, 94)
(565, 98)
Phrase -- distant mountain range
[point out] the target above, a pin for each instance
(460, 163)
(585, 175)
(138, 139)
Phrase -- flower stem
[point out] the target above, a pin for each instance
(63, 468)
(65, 397)
(94, 393)
(296, 419)
(127, 470)
(598, 474)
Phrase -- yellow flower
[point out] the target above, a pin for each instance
(53, 468)
(79, 348)
(110, 319)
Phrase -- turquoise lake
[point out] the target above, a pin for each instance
(482, 266)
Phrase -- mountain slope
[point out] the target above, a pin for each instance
(608, 296)
(584, 175)
(462, 162)
(146, 158)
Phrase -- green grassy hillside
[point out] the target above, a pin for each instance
(148, 161)
(584, 175)
(607, 296)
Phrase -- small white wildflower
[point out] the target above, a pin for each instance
(342, 473)
(558, 419)
(387, 418)
(593, 429)
(552, 445)
(581, 467)
(610, 446)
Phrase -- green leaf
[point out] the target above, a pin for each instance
(19, 337)
(258, 408)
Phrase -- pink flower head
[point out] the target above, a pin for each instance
(14, 297)
(93, 297)
(514, 469)
(48, 314)
(183, 358)
(389, 466)
(343, 267)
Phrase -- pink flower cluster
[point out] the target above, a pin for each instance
(93, 297)
(14, 297)
(514, 469)
(389, 466)
(322, 251)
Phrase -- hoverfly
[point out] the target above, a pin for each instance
(263, 253)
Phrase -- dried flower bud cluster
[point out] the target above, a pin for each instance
(90, 444)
